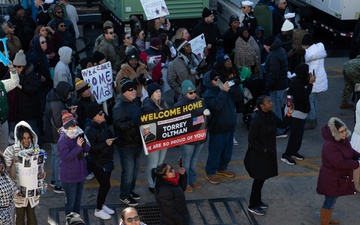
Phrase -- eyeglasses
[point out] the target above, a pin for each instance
(131, 219)
(62, 25)
(17, 66)
(43, 42)
(192, 92)
(343, 131)
(59, 12)
(129, 37)
(111, 33)
(216, 78)
(131, 89)
(100, 113)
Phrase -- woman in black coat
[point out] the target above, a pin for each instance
(260, 159)
(169, 194)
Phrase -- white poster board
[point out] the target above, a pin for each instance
(100, 79)
(30, 166)
(198, 44)
(154, 8)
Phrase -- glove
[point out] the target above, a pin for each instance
(206, 112)
(193, 71)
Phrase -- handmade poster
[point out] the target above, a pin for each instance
(154, 8)
(30, 173)
(198, 44)
(100, 79)
(173, 127)
(4, 58)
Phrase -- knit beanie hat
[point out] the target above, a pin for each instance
(126, 84)
(152, 87)
(221, 59)
(108, 23)
(287, 25)
(181, 45)
(84, 61)
(81, 86)
(92, 110)
(213, 74)
(98, 56)
(269, 40)
(20, 58)
(187, 86)
(155, 42)
(74, 219)
(206, 12)
(307, 40)
(68, 119)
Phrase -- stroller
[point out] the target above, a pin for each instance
(254, 86)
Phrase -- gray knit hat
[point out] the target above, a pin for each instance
(20, 58)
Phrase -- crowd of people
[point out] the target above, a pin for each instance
(42, 101)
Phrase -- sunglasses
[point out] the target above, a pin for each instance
(129, 37)
(43, 42)
(216, 79)
(17, 66)
(101, 113)
(131, 219)
(59, 12)
(111, 33)
(192, 92)
(62, 25)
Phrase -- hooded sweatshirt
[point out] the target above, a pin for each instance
(62, 70)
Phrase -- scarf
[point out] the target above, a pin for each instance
(175, 179)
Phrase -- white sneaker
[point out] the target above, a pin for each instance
(90, 176)
(108, 210)
(235, 142)
(102, 215)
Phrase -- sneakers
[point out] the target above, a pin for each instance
(213, 179)
(235, 142)
(263, 205)
(225, 173)
(196, 185)
(52, 183)
(288, 160)
(59, 190)
(297, 156)
(257, 211)
(102, 214)
(129, 201)
(134, 195)
(107, 210)
(90, 176)
(189, 189)
(283, 135)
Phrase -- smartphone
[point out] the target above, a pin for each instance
(313, 73)
(231, 83)
(288, 100)
(114, 138)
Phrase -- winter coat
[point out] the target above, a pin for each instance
(277, 20)
(171, 200)
(314, 57)
(72, 167)
(276, 67)
(100, 152)
(108, 49)
(13, 44)
(261, 159)
(249, 20)
(126, 118)
(81, 111)
(127, 71)
(62, 70)
(339, 160)
(149, 106)
(27, 97)
(300, 89)
(7, 192)
(6, 86)
(222, 106)
(153, 66)
(55, 102)
(25, 28)
(230, 38)
(11, 153)
(247, 53)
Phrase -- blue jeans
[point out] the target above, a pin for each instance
(130, 163)
(220, 152)
(329, 202)
(189, 155)
(73, 195)
(313, 109)
(153, 160)
(55, 161)
(277, 98)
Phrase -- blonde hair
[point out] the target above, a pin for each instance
(178, 34)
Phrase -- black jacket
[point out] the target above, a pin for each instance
(171, 200)
(126, 119)
(100, 152)
(229, 41)
(300, 89)
(260, 159)
(276, 67)
(211, 34)
(149, 105)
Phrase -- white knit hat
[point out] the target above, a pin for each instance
(287, 25)
(247, 3)
(20, 59)
(289, 15)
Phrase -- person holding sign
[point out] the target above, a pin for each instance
(153, 103)
(25, 138)
(190, 152)
(221, 99)
(126, 120)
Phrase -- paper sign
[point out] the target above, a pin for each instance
(154, 8)
(198, 44)
(100, 79)
(4, 58)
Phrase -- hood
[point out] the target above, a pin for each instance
(329, 131)
(17, 130)
(258, 28)
(56, 8)
(276, 44)
(65, 54)
(207, 80)
(315, 52)
(62, 90)
(36, 44)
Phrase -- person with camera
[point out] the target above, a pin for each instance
(300, 89)
(73, 148)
